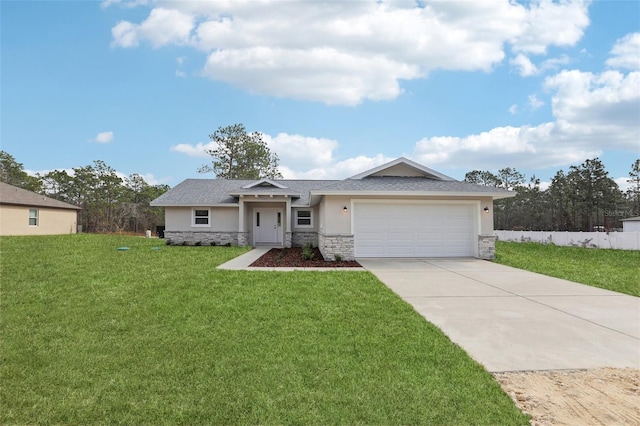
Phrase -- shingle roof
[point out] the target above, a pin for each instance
(208, 192)
(10, 194)
(409, 184)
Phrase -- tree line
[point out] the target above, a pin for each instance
(109, 202)
(585, 198)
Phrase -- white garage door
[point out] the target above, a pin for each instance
(414, 230)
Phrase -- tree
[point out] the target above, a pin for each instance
(633, 193)
(13, 173)
(510, 179)
(559, 203)
(593, 193)
(239, 155)
(482, 178)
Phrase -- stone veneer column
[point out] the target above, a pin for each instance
(243, 239)
(331, 245)
(487, 247)
(287, 239)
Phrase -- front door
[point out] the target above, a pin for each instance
(267, 226)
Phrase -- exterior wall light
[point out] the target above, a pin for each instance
(345, 209)
(486, 209)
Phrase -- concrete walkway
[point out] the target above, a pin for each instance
(513, 320)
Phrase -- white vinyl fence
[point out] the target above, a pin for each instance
(609, 240)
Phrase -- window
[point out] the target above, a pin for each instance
(304, 219)
(33, 217)
(201, 217)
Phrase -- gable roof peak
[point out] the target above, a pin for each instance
(264, 182)
(403, 167)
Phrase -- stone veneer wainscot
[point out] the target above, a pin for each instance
(331, 245)
(487, 247)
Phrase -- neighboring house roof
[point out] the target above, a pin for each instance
(13, 195)
(631, 219)
(398, 177)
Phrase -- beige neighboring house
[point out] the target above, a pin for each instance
(24, 212)
(398, 209)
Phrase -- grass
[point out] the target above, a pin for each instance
(93, 335)
(616, 270)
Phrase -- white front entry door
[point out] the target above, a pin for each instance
(267, 226)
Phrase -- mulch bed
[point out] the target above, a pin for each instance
(292, 258)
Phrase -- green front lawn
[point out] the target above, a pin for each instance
(617, 270)
(93, 335)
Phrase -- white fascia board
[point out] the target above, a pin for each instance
(195, 205)
(494, 195)
(261, 181)
(406, 161)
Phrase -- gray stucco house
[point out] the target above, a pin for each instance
(398, 209)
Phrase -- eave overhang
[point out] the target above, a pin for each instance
(398, 194)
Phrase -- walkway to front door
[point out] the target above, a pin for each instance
(267, 226)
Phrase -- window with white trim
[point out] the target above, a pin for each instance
(201, 217)
(33, 217)
(304, 219)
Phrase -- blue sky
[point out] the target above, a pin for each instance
(335, 87)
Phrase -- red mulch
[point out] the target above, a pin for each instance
(292, 257)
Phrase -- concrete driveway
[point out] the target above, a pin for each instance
(512, 320)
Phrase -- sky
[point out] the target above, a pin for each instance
(335, 87)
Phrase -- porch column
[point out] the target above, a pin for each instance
(288, 215)
(241, 215)
(287, 226)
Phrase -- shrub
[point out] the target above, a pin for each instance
(307, 252)
(338, 257)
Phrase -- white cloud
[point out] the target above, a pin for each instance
(513, 109)
(123, 3)
(162, 27)
(550, 23)
(626, 53)
(353, 51)
(591, 111)
(302, 152)
(103, 137)
(301, 157)
(622, 183)
(597, 109)
(152, 180)
(179, 62)
(527, 146)
(198, 150)
(524, 66)
(534, 102)
(338, 170)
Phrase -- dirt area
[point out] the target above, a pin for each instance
(605, 396)
(292, 257)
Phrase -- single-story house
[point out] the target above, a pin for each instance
(24, 212)
(398, 209)
(631, 224)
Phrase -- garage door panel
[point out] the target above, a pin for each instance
(413, 230)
